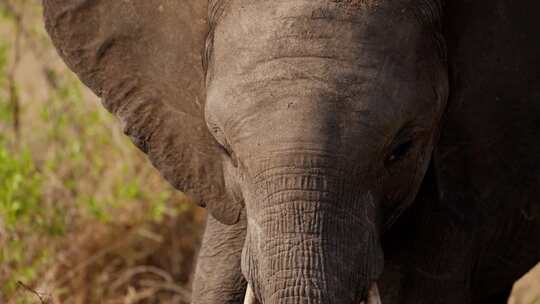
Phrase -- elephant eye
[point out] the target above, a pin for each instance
(399, 152)
(220, 138)
(230, 153)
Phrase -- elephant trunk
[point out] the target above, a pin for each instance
(311, 238)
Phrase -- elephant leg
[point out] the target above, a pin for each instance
(218, 277)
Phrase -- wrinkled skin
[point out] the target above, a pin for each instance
(353, 119)
(218, 278)
(403, 280)
(339, 144)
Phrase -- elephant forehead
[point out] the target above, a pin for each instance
(304, 68)
(311, 46)
(252, 32)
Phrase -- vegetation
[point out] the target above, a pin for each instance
(83, 217)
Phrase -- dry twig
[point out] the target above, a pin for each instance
(43, 298)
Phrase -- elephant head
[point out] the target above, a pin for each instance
(317, 116)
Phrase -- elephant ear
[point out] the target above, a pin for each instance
(143, 58)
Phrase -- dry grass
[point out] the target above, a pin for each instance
(86, 219)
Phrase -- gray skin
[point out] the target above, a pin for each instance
(353, 110)
(309, 132)
(218, 277)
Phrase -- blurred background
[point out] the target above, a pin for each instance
(84, 218)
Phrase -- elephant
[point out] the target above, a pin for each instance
(348, 151)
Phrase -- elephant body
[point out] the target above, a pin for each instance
(336, 144)
(477, 217)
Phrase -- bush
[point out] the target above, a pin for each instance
(20, 196)
(84, 218)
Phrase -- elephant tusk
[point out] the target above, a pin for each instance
(374, 296)
(250, 296)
